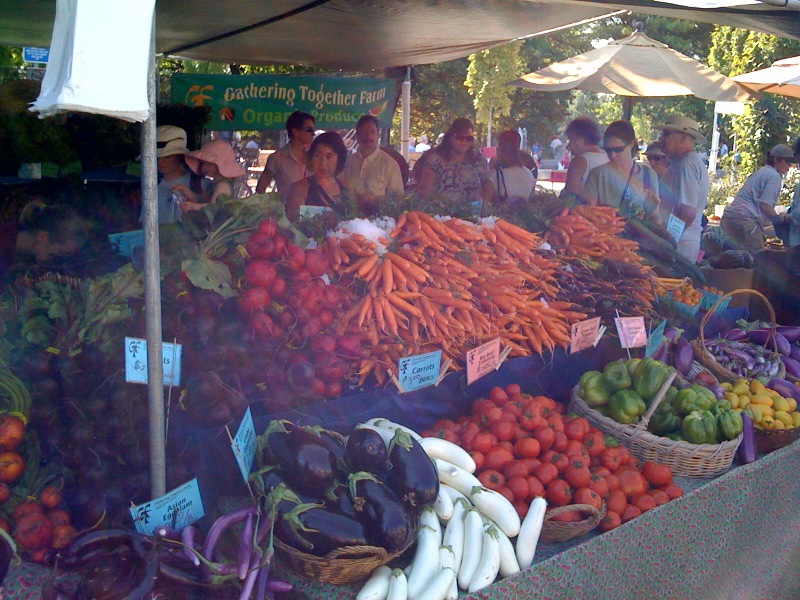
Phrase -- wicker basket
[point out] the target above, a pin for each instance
(770, 440)
(348, 564)
(708, 361)
(559, 531)
(685, 459)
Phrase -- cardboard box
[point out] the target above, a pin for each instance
(728, 280)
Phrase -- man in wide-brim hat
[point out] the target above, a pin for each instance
(684, 185)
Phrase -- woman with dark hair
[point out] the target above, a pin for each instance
(326, 157)
(753, 207)
(622, 182)
(456, 170)
(583, 135)
(510, 178)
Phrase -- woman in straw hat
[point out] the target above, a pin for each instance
(216, 161)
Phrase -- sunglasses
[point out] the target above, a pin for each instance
(655, 158)
(464, 138)
(614, 150)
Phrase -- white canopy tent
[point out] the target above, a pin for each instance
(347, 35)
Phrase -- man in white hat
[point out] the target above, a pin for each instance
(684, 186)
(171, 165)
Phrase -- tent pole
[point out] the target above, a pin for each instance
(152, 286)
(712, 154)
(405, 113)
(627, 107)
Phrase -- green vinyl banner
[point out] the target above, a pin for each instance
(263, 102)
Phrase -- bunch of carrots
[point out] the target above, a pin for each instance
(592, 232)
(444, 283)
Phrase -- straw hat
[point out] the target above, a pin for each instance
(170, 140)
(684, 125)
(218, 152)
(654, 149)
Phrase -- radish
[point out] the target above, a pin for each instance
(398, 586)
(349, 346)
(489, 565)
(473, 547)
(261, 324)
(260, 245)
(439, 448)
(278, 287)
(456, 477)
(254, 299)
(316, 263)
(496, 507)
(377, 586)
(268, 227)
(529, 532)
(260, 272)
(426, 558)
(295, 257)
(443, 505)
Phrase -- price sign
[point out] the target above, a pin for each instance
(584, 335)
(127, 241)
(136, 361)
(419, 371)
(632, 332)
(176, 509)
(482, 360)
(675, 227)
(244, 444)
(655, 338)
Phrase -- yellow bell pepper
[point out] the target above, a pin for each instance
(726, 385)
(780, 403)
(777, 424)
(733, 399)
(796, 419)
(741, 387)
(792, 404)
(755, 411)
(744, 401)
(784, 418)
(767, 423)
(756, 387)
(762, 399)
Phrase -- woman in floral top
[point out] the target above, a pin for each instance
(455, 169)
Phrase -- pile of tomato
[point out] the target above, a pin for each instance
(526, 447)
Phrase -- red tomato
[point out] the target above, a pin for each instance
(531, 463)
(594, 442)
(519, 487)
(575, 448)
(516, 468)
(631, 482)
(673, 491)
(561, 461)
(492, 479)
(506, 493)
(484, 441)
(644, 502)
(584, 495)
(599, 485)
(625, 455)
(536, 488)
(521, 507)
(520, 433)
(576, 428)
(497, 458)
(602, 471)
(630, 512)
(546, 472)
(498, 395)
(513, 389)
(656, 474)
(616, 501)
(512, 408)
(503, 430)
(490, 415)
(546, 436)
(531, 417)
(558, 493)
(611, 458)
(613, 482)
(556, 422)
(561, 442)
(478, 458)
(577, 477)
(660, 496)
(527, 448)
(508, 416)
(567, 517)
(507, 446)
(610, 521)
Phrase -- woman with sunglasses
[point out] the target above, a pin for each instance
(583, 137)
(656, 158)
(456, 170)
(753, 207)
(622, 182)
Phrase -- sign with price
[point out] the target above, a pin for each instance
(654, 339)
(675, 227)
(632, 332)
(419, 371)
(176, 509)
(244, 444)
(584, 335)
(136, 361)
(482, 360)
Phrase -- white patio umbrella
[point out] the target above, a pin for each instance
(782, 78)
(635, 66)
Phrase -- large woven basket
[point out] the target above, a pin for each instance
(559, 531)
(685, 459)
(708, 361)
(348, 564)
(770, 440)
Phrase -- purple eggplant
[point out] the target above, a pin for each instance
(380, 510)
(307, 464)
(682, 355)
(412, 474)
(317, 530)
(790, 332)
(717, 389)
(778, 343)
(795, 354)
(736, 335)
(792, 366)
(365, 451)
(747, 448)
(671, 333)
(784, 388)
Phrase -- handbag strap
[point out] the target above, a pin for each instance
(501, 178)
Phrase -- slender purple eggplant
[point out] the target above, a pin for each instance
(792, 366)
(747, 449)
(790, 332)
(784, 388)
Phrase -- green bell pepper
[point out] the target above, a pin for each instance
(610, 441)
(703, 391)
(672, 391)
(626, 406)
(700, 427)
(631, 365)
(664, 420)
(688, 400)
(616, 377)
(648, 378)
(593, 389)
(729, 424)
(721, 406)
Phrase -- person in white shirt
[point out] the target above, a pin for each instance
(423, 145)
(511, 180)
(287, 165)
(371, 172)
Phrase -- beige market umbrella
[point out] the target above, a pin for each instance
(783, 78)
(635, 66)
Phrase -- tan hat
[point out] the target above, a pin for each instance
(684, 125)
(782, 151)
(654, 149)
(170, 140)
(218, 152)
